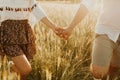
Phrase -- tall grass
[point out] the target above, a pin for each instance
(57, 59)
(5, 70)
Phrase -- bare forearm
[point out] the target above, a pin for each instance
(81, 13)
(48, 22)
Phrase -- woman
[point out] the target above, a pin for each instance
(17, 39)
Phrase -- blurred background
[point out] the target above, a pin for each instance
(57, 59)
(65, 1)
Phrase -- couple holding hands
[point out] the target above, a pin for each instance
(63, 33)
(17, 39)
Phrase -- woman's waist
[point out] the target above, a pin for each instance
(16, 32)
(18, 21)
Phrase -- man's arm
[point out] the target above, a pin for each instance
(81, 13)
(85, 7)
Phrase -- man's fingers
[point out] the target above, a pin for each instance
(58, 32)
(62, 33)
(66, 37)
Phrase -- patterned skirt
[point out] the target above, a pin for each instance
(16, 38)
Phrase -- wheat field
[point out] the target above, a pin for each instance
(57, 59)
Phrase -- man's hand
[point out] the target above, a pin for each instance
(58, 31)
(66, 33)
(63, 33)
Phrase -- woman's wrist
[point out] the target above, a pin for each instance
(54, 27)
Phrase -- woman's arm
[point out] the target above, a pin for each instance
(40, 15)
(49, 23)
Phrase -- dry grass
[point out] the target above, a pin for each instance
(63, 60)
(5, 71)
(57, 59)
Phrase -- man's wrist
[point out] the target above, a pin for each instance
(70, 28)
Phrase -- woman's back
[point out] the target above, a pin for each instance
(15, 3)
(19, 10)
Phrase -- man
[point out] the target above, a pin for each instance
(106, 50)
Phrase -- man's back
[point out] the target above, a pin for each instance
(110, 14)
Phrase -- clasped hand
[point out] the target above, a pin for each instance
(63, 33)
